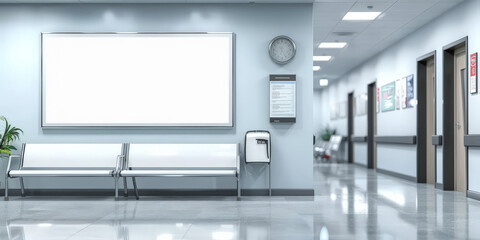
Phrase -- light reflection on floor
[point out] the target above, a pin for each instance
(350, 202)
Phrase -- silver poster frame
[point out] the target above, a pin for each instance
(232, 114)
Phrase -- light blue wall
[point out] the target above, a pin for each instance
(255, 26)
(399, 60)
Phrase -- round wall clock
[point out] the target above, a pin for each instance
(282, 49)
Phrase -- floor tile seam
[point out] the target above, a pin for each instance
(185, 233)
(96, 221)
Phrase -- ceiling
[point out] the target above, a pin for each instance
(366, 38)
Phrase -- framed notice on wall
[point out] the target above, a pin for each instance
(473, 73)
(398, 93)
(410, 94)
(388, 97)
(283, 100)
(378, 100)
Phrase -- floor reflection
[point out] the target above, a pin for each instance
(350, 203)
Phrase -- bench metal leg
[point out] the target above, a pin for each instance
(239, 190)
(22, 187)
(135, 187)
(116, 188)
(125, 188)
(269, 180)
(6, 188)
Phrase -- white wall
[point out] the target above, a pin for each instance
(254, 26)
(398, 61)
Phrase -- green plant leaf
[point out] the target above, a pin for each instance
(10, 135)
(5, 151)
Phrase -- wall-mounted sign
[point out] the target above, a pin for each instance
(410, 94)
(400, 93)
(378, 100)
(283, 100)
(388, 97)
(473, 73)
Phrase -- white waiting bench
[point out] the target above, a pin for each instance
(182, 160)
(67, 160)
(126, 160)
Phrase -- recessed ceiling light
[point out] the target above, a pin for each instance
(323, 82)
(166, 236)
(316, 68)
(361, 16)
(222, 235)
(44, 224)
(332, 45)
(322, 58)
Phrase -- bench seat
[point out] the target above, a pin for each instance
(182, 160)
(61, 173)
(67, 160)
(178, 173)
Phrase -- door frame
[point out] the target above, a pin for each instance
(371, 113)
(449, 111)
(422, 115)
(350, 121)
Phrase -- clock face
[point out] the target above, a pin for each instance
(282, 49)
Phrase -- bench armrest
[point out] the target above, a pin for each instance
(120, 163)
(9, 164)
(238, 166)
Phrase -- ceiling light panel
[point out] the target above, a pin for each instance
(316, 68)
(322, 58)
(361, 16)
(323, 82)
(332, 45)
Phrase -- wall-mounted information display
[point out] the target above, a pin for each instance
(124, 80)
(283, 98)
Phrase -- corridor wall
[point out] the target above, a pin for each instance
(254, 26)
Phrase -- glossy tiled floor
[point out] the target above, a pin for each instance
(350, 203)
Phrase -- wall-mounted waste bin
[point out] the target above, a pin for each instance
(258, 151)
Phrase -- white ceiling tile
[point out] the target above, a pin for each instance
(330, 10)
(439, 8)
(351, 26)
(376, 6)
(389, 24)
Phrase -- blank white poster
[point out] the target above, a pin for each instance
(137, 80)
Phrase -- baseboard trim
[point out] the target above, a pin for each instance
(439, 186)
(398, 175)
(360, 164)
(473, 194)
(159, 192)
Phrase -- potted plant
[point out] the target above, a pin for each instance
(327, 132)
(9, 135)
